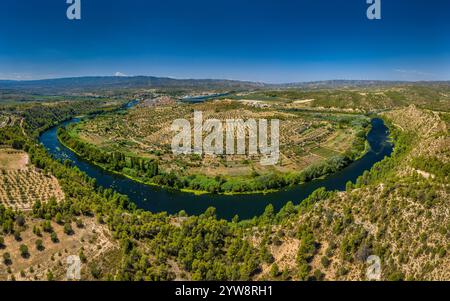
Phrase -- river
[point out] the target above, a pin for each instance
(157, 199)
(202, 98)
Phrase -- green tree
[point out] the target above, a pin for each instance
(68, 229)
(83, 257)
(54, 237)
(7, 258)
(20, 220)
(274, 270)
(50, 276)
(39, 245)
(24, 251)
(58, 218)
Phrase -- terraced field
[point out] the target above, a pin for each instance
(305, 138)
(21, 185)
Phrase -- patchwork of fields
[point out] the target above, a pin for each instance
(306, 138)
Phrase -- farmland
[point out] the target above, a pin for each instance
(21, 184)
(367, 99)
(398, 210)
(306, 138)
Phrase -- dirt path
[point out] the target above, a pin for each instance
(399, 126)
(21, 127)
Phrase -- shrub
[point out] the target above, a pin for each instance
(54, 237)
(325, 261)
(39, 245)
(68, 229)
(274, 270)
(7, 258)
(24, 251)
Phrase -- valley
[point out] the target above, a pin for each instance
(308, 142)
(396, 208)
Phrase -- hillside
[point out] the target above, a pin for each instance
(104, 83)
(370, 98)
(98, 84)
(399, 211)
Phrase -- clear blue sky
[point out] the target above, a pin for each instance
(260, 40)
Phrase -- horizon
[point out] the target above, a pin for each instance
(219, 79)
(274, 43)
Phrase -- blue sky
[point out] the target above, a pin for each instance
(259, 40)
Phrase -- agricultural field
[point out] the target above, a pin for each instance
(306, 138)
(435, 97)
(398, 210)
(21, 184)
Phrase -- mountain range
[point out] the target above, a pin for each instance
(91, 83)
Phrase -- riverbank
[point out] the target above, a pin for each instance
(184, 190)
(285, 180)
(325, 157)
(158, 199)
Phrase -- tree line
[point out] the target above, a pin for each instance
(148, 171)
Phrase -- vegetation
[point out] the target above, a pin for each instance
(366, 99)
(398, 211)
(312, 146)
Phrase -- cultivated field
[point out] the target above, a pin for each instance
(305, 137)
(21, 184)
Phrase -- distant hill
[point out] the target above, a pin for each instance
(342, 83)
(76, 84)
(102, 83)
(329, 84)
